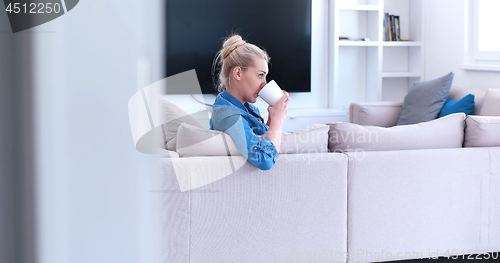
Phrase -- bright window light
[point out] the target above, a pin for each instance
(488, 23)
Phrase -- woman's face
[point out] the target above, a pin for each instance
(253, 79)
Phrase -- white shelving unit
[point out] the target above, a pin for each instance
(374, 70)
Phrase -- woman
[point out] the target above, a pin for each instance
(243, 71)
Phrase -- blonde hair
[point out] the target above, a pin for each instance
(235, 52)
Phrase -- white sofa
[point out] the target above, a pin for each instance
(337, 207)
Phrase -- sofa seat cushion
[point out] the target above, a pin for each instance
(491, 104)
(425, 100)
(196, 141)
(482, 131)
(445, 132)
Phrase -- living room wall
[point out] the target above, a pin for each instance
(93, 192)
(445, 46)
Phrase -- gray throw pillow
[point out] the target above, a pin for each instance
(425, 100)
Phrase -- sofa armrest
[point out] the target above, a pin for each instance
(382, 113)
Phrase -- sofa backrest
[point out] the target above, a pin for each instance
(413, 201)
(300, 205)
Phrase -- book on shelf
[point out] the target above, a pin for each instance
(396, 27)
(391, 28)
(387, 27)
(383, 28)
(353, 39)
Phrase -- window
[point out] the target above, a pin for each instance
(482, 40)
(486, 34)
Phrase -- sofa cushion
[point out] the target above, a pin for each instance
(195, 141)
(425, 100)
(172, 117)
(313, 138)
(482, 131)
(465, 105)
(445, 132)
(376, 113)
(170, 154)
(491, 104)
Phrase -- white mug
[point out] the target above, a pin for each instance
(271, 93)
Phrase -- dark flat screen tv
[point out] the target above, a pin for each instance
(195, 30)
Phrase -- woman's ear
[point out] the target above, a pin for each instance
(237, 73)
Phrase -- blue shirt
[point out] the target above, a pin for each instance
(243, 123)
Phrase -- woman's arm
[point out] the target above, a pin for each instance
(277, 115)
(263, 154)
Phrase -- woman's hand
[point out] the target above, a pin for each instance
(278, 111)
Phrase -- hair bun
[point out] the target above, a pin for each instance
(231, 44)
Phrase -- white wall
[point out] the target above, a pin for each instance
(445, 43)
(95, 202)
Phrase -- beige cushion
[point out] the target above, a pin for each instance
(170, 154)
(491, 104)
(313, 138)
(445, 132)
(172, 117)
(380, 113)
(195, 141)
(482, 131)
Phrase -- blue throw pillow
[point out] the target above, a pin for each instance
(465, 105)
